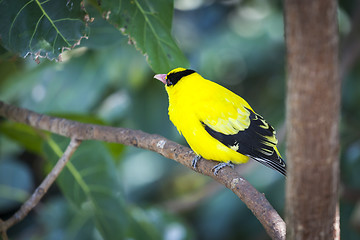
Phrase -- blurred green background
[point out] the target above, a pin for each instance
(114, 192)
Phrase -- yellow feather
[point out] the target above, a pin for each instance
(195, 99)
(195, 102)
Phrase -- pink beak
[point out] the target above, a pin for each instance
(161, 77)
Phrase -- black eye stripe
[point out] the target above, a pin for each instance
(173, 78)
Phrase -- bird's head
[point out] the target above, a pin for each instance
(174, 76)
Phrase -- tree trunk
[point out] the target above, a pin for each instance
(313, 104)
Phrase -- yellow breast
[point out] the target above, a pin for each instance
(195, 100)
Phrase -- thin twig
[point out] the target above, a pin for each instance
(40, 191)
(255, 201)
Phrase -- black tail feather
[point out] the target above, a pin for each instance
(276, 164)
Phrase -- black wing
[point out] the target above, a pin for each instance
(255, 142)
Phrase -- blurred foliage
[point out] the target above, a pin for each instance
(45, 29)
(110, 191)
(41, 29)
(148, 25)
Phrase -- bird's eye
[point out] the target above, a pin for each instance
(174, 77)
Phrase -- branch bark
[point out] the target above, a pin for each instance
(255, 201)
(313, 104)
(40, 191)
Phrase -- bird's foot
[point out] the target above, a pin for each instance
(195, 161)
(218, 167)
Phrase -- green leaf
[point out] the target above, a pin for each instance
(83, 118)
(89, 181)
(148, 25)
(41, 28)
(25, 135)
(115, 149)
(103, 34)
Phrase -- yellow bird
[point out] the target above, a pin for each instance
(218, 124)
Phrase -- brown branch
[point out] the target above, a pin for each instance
(40, 191)
(255, 201)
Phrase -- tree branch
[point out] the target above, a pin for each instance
(40, 191)
(255, 201)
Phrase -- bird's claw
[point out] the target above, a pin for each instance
(220, 166)
(195, 161)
